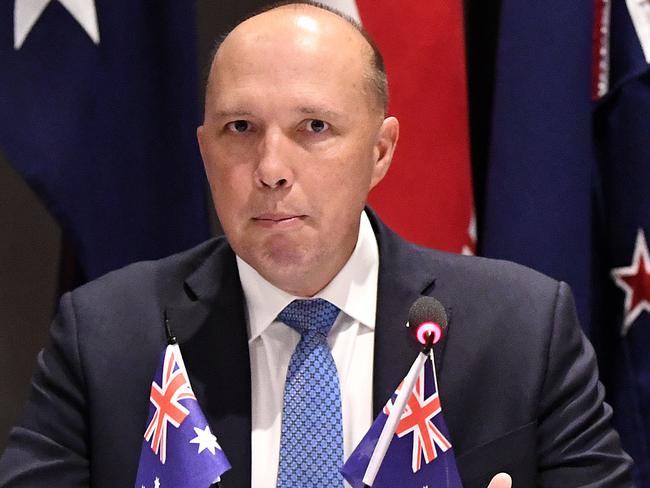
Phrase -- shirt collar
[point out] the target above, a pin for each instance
(353, 290)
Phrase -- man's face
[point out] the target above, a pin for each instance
(292, 143)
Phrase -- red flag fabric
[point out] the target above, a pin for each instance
(427, 194)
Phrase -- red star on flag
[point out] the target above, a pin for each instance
(634, 280)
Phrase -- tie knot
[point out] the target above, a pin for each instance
(309, 315)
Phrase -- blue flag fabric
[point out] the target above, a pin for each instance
(420, 452)
(568, 184)
(622, 121)
(538, 195)
(179, 450)
(104, 131)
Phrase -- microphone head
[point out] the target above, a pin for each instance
(427, 316)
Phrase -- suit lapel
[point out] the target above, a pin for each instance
(402, 279)
(209, 322)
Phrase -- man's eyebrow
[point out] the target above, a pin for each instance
(232, 113)
(315, 110)
(303, 109)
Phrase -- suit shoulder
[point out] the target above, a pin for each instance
(495, 269)
(488, 276)
(147, 279)
(455, 270)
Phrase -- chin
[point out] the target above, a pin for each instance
(285, 261)
(289, 271)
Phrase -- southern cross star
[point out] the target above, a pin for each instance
(205, 439)
(27, 13)
(634, 280)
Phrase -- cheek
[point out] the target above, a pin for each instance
(226, 158)
(227, 168)
(343, 194)
(230, 186)
(357, 175)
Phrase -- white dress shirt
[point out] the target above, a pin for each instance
(271, 344)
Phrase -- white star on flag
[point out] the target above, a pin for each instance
(205, 439)
(156, 483)
(634, 280)
(27, 13)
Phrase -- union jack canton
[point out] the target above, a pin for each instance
(178, 450)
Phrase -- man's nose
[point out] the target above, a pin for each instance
(274, 170)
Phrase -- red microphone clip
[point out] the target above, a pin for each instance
(423, 330)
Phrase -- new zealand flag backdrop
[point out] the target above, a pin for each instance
(569, 176)
(99, 108)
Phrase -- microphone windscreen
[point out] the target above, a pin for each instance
(427, 310)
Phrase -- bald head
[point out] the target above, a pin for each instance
(309, 25)
(293, 139)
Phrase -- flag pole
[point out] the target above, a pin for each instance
(171, 338)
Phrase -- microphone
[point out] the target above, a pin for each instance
(427, 321)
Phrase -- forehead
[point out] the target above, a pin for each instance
(294, 50)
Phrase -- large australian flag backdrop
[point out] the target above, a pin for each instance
(98, 104)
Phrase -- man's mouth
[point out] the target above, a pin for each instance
(278, 219)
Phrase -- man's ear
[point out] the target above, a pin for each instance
(199, 137)
(384, 148)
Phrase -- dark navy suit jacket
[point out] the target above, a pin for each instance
(517, 378)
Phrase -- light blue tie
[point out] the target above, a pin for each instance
(311, 444)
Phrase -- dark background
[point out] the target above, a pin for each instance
(37, 265)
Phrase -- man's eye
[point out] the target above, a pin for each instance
(238, 126)
(316, 125)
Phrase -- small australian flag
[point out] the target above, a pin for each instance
(420, 452)
(179, 450)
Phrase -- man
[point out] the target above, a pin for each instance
(294, 138)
